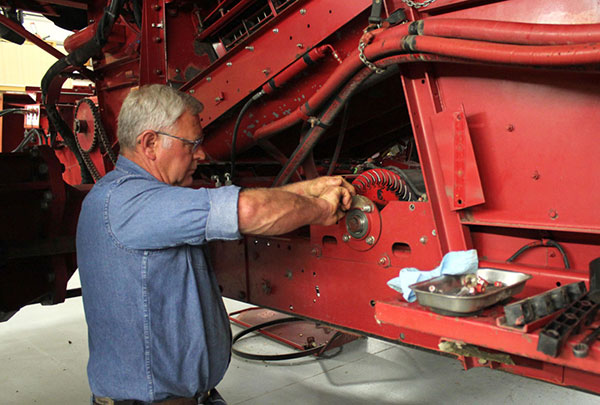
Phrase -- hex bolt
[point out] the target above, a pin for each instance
(229, 63)
(383, 261)
(346, 238)
(411, 207)
(208, 79)
(367, 208)
(43, 168)
(423, 239)
(192, 91)
(370, 240)
(302, 11)
(275, 30)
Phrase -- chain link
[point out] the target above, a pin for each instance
(416, 4)
(361, 55)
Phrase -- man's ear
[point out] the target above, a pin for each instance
(148, 141)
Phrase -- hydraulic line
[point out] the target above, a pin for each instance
(340, 140)
(527, 55)
(327, 117)
(237, 127)
(52, 80)
(542, 243)
(507, 32)
(396, 40)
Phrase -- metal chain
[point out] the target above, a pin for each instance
(416, 4)
(361, 48)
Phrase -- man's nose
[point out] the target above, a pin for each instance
(200, 154)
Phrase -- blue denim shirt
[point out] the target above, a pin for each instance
(157, 326)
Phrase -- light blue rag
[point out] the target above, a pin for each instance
(459, 262)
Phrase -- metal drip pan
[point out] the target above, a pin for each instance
(441, 293)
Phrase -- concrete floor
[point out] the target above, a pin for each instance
(43, 355)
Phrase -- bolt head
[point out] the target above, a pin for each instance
(346, 238)
(302, 11)
(423, 239)
(370, 240)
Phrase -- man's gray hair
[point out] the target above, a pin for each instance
(153, 107)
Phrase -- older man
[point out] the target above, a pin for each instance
(158, 330)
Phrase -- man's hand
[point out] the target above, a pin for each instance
(316, 187)
(338, 200)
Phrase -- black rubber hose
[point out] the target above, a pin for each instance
(77, 58)
(13, 111)
(236, 129)
(340, 140)
(542, 243)
(274, 357)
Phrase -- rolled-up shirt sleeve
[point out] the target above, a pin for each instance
(147, 214)
(222, 222)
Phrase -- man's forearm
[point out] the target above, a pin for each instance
(277, 211)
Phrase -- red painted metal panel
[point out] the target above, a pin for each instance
(456, 156)
(243, 71)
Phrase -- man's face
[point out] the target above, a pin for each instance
(175, 159)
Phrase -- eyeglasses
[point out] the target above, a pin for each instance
(195, 144)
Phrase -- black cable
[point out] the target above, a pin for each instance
(28, 137)
(13, 111)
(237, 127)
(542, 243)
(276, 357)
(340, 140)
(406, 179)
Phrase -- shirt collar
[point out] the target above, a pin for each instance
(130, 167)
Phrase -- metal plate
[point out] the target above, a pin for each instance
(444, 297)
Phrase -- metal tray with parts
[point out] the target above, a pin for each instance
(440, 293)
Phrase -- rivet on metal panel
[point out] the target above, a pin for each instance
(192, 91)
(315, 251)
(249, 48)
(346, 238)
(267, 72)
(317, 291)
(302, 11)
(411, 207)
(423, 239)
(208, 79)
(535, 175)
(268, 244)
(370, 240)
(510, 127)
(299, 45)
(256, 241)
(288, 274)
(177, 70)
(291, 307)
(275, 30)
(229, 64)
(553, 214)
(433, 232)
